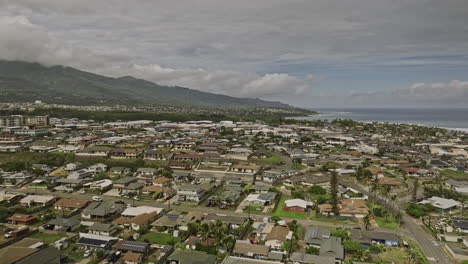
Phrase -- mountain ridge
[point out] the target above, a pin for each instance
(25, 81)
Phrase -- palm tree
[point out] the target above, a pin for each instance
(366, 220)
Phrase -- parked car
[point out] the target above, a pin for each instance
(97, 199)
(88, 253)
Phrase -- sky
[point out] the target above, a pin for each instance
(320, 53)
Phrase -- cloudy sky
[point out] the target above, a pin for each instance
(320, 53)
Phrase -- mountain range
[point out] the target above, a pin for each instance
(25, 82)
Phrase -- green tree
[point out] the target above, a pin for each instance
(334, 193)
(366, 221)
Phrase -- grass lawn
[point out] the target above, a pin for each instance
(298, 166)
(393, 255)
(389, 223)
(253, 209)
(159, 238)
(281, 213)
(46, 237)
(273, 159)
(455, 174)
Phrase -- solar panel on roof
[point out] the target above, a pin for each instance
(172, 217)
(133, 246)
(92, 242)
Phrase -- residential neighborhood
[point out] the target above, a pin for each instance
(82, 191)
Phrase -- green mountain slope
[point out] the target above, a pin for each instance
(24, 82)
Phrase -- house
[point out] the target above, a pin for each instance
(181, 176)
(160, 192)
(259, 188)
(185, 256)
(157, 155)
(315, 235)
(97, 168)
(332, 247)
(92, 241)
(277, 236)
(79, 175)
(460, 225)
(262, 198)
(347, 207)
(233, 181)
(295, 205)
(441, 204)
(132, 258)
(240, 260)
(94, 151)
(245, 168)
(100, 211)
(303, 258)
(27, 251)
(120, 170)
(184, 145)
(40, 200)
(369, 237)
(132, 246)
(122, 183)
(192, 192)
(176, 220)
(101, 185)
(458, 186)
(239, 153)
(138, 210)
(70, 204)
(102, 229)
(231, 221)
(64, 224)
(188, 157)
(21, 219)
(126, 153)
(457, 250)
(162, 181)
(243, 248)
(73, 166)
(147, 171)
(137, 222)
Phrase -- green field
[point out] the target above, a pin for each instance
(455, 174)
(159, 238)
(389, 223)
(281, 213)
(47, 238)
(273, 159)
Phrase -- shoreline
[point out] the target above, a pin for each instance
(456, 129)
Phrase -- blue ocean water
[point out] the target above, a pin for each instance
(456, 118)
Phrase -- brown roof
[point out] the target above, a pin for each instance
(154, 188)
(347, 206)
(21, 217)
(278, 233)
(161, 180)
(134, 257)
(71, 203)
(374, 170)
(142, 219)
(246, 166)
(389, 181)
(246, 248)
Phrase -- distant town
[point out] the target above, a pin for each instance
(229, 191)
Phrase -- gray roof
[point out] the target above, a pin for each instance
(315, 235)
(43, 256)
(332, 247)
(311, 259)
(102, 227)
(103, 208)
(66, 222)
(184, 256)
(125, 180)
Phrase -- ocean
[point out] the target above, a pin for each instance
(451, 118)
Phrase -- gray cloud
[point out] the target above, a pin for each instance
(234, 47)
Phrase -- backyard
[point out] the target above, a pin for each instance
(159, 238)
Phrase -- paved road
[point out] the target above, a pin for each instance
(409, 227)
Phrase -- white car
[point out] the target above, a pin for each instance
(87, 253)
(83, 192)
(97, 199)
